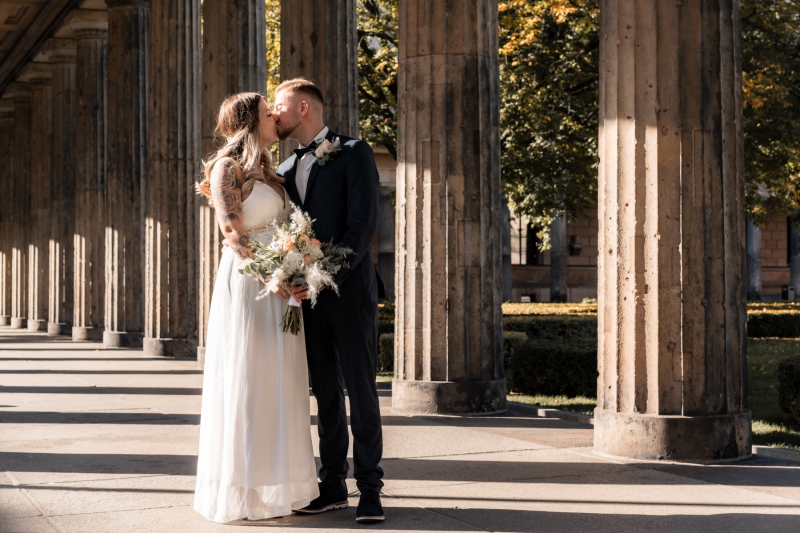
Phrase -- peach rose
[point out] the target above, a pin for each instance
(288, 245)
(308, 259)
(315, 243)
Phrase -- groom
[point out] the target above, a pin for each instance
(338, 189)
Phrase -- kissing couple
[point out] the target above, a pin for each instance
(256, 459)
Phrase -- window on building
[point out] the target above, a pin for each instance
(519, 240)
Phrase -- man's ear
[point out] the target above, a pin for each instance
(304, 108)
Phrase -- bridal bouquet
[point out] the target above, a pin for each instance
(296, 257)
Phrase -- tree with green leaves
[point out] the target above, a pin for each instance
(377, 72)
(549, 75)
(771, 84)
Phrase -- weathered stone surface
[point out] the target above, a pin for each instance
(91, 37)
(386, 238)
(671, 273)
(6, 206)
(20, 227)
(448, 319)
(753, 243)
(128, 26)
(318, 42)
(39, 77)
(61, 53)
(558, 259)
(234, 61)
(170, 202)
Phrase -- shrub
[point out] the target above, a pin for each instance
(512, 340)
(386, 352)
(581, 309)
(385, 326)
(552, 368)
(553, 327)
(789, 385)
(773, 322)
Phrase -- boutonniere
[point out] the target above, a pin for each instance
(326, 150)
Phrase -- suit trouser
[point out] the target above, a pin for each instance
(342, 345)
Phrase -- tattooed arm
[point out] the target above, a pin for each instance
(226, 191)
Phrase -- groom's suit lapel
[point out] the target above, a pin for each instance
(315, 169)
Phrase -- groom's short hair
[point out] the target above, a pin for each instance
(302, 85)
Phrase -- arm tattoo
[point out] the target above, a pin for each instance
(227, 194)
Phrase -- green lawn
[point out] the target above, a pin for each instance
(771, 426)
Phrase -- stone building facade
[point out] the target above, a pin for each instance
(132, 250)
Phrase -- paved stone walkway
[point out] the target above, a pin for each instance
(98, 440)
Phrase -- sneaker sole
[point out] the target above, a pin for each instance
(368, 519)
(331, 507)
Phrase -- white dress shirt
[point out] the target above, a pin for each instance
(305, 164)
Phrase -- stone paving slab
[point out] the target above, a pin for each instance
(96, 440)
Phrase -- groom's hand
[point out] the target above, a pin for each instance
(299, 293)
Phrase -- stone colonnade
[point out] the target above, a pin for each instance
(448, 324)
(132, 250)
(671, 320)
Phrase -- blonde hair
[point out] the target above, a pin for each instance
(237, 124)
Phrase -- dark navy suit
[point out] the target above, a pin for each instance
(342, 331)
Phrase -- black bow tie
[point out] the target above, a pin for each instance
(300, 152)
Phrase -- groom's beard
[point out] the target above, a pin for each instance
(284, 131)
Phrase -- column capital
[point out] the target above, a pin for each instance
(37, 74)
(18, 91)
(6, 108)
(60, 50)
(88, 23)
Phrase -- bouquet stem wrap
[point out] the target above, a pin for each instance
(293, 317)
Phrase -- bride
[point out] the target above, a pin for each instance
(255, 459)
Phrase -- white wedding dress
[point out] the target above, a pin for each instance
(256, 459)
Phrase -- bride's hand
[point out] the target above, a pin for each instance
(282, 292)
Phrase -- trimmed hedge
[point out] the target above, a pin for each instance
(553, 368)
(789, 385)
(386, 352)
(551, 328)
(773, 323)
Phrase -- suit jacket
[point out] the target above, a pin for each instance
(342, 199)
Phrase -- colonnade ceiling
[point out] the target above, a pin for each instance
(15, 18)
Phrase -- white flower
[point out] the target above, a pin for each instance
(293, 262)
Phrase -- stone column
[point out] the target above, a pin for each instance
(170, 201)
(794, 257)
(558, 259)
(20, 226)
(318, 42)
(128, 26)
(448, 341)
(386, 238)
(39, 76)
(91, 38)
(6, 207)
(505, 247)
(753, 240)
(234, 61)
(61, 53)
(671, 273)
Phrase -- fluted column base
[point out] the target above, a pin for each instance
(201, 357)
(18, 322)
(58, 329)
(672, 437)
(83, 333)
(37, 325)
(5, 320)
(122, 339)
(170, 347)
(449, 397)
